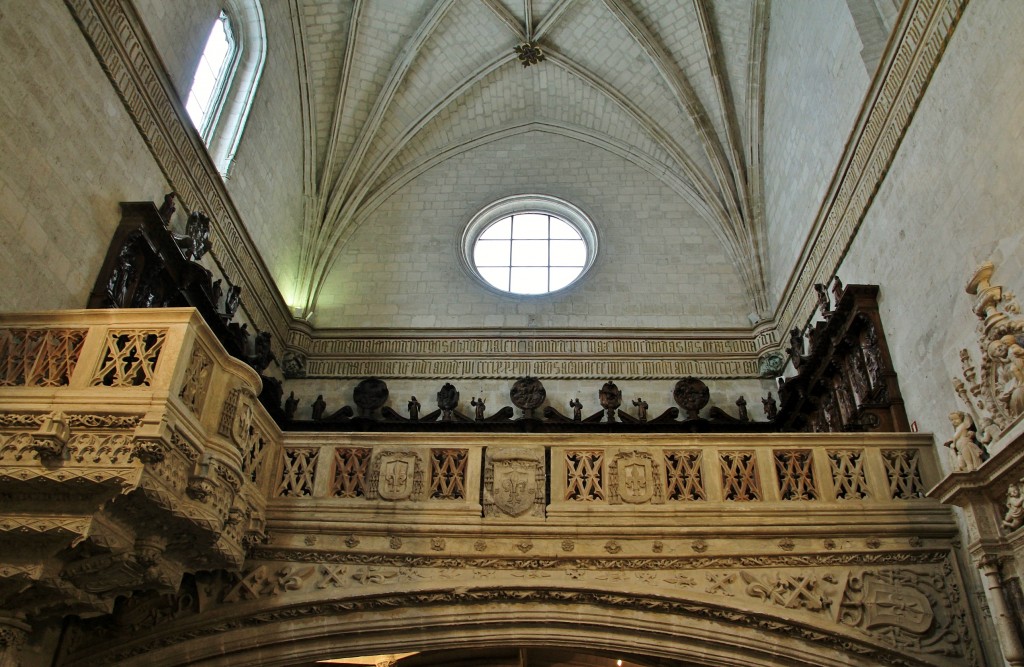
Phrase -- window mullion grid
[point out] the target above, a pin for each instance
(511, 240)
(549, 254)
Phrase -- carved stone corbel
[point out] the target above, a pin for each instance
(52, 437)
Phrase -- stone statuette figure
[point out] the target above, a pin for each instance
(231, 301)
(167, 208)
(641, 409)
(1014, 517)
(771, 410)
(741, 404)
(318, 408)
(414, 409)
(479, 405)
(823, 303)
(796, 343)
(291, 404)
(577, 409)
(264, 355)
(964, 452)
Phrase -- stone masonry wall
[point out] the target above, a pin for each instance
(814, 87)
(265, 180)
(69, 153)
(952, 199)
(658, 264)
(179, 31)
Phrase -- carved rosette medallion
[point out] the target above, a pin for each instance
(514, 483)
(447, 401)
(635, 478)
(692, 395)
(527, 394)
(370, 395)
(396, 475)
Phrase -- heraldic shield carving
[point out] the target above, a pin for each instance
(514, 483)
(634, 478)
(396, 476)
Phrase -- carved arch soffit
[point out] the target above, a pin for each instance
(790, 616)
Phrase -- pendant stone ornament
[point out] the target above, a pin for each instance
(514, 482)
(529, 53)
(527, 394)
(692, 395)
(611, 398)
(370, 395)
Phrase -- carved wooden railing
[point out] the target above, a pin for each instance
(845, 378)
(132, 450)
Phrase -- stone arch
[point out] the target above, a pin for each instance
(277, 630)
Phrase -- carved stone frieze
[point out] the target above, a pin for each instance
(639, 356)
(909, 609)
(514, 482)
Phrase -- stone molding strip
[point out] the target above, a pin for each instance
(913, 54)
(127, 55)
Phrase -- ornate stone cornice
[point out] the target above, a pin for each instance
(127, 55)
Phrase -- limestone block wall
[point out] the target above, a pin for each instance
(659, 264)
(265, 179)
(60, 183)
(814, 86)
(179, 31)
(951, 200)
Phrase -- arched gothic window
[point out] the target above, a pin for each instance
(225, 81)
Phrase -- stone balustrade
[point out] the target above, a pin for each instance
(526, 475)
(132, 450)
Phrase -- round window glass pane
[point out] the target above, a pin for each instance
(529, 244)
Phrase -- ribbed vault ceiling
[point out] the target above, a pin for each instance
(396, 86)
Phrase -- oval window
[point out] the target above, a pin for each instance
(530, 245)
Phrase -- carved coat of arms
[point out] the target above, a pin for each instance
(515, 486)
(514, 483)
(888, 604)
(635, 478)
(396, 476)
